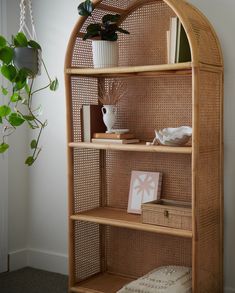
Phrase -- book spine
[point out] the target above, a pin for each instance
(159, 186)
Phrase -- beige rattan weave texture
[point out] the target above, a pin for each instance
(208, 213)
(176, 171)
(136, 253)
(87, 250)
(154, 103)
(143, 25)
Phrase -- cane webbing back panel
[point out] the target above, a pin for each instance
(148, 104)
(128, 252)
(135, 253)
(176, 171)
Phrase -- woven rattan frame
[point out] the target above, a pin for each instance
(99, 178)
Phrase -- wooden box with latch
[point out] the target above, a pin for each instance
(168, 213)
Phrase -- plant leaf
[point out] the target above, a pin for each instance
(15, 97)
(20, 40)
(119, 29)
(54, 85)
(28, 117)
(86, 8)
(3, 147)
(110, 18)
(16, 119)
(0, 120)
(4, 110)
(27, 89)
(21, 78)
(94, 27)
(93, 30)
(6, 55)
(9, 72)
(4, 91)
(3, 42)
(33, 144)
(29, 161)
(109, 37)
(34, 45)
(22, 75)
(19, 85)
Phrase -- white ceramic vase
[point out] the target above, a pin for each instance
(109, 116)
(105, 53)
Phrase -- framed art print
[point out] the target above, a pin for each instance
(144, 187)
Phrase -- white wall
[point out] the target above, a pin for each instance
(47, 179)
(14, 180)
(3, 175)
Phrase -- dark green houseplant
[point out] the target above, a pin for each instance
(107, 29)
(104, 34)
(19, 93)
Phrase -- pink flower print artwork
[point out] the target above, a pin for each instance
(144, 187)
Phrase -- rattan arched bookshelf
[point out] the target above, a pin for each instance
(107, 246)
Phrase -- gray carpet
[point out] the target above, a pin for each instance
(30, 280)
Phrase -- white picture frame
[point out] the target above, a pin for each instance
(144, 187)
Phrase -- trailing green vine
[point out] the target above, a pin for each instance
(18, 109)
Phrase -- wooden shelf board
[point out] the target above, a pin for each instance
(101, 283)
(132, 147)
(120, 218)
(132, 70)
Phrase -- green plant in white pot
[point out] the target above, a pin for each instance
(104, 36)
(18, 108)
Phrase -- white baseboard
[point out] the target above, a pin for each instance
(44, 260)
(48, 261)
(229, 290)
(18, 259)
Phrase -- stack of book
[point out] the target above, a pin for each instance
(114, 138)
(178, 48)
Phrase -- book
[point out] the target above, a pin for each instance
(173, 38)
(115, 141)
(183, 52)
(91, 121)
(168, 36)
(114, 135)
(178, 48)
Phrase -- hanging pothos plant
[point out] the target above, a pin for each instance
(18, 108)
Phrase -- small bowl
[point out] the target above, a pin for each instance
(174, 136)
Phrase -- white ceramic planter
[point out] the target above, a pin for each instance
(109, 116)
(105, 53)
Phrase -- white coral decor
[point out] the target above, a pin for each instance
(173, 136)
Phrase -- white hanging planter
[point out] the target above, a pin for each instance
(105, 53)
(26, 57)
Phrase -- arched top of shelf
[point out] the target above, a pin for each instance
(148, 21)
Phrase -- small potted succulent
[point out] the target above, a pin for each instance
(104, 36)
(18, 107)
